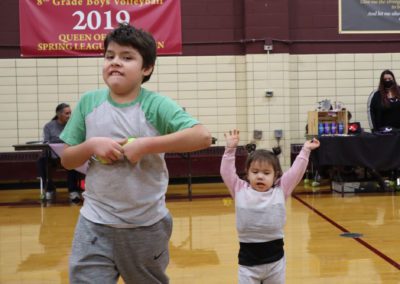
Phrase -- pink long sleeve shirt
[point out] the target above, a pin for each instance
(261, 216)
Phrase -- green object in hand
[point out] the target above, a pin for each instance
(103, 161)
(130, 139)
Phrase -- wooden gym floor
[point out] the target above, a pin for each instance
(321, 241)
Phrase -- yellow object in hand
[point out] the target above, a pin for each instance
(130, 139)
(103, 161)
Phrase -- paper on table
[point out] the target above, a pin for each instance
(58, 148)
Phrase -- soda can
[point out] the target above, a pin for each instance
(340, 128)
(333, 128)
(320, 128)
(327, 128)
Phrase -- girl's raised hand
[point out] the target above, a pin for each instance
(312, 144)
(232, 138)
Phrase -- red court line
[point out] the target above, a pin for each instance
(364, 243)
(34, 203)
(169, 197)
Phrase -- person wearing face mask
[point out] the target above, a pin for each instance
(384, 104)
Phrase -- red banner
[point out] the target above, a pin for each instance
(78, 27)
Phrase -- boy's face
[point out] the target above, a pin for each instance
(123, 70)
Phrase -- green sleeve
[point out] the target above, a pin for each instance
(166, 115)
(74, 132)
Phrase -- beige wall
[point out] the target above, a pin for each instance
(223, 92)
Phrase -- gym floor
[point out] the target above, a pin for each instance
(328, 238)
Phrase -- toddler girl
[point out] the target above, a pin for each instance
(260, 208)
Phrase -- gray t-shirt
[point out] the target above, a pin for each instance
(123, 194)
(52, 131)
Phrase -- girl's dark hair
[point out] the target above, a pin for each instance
(264, 156)
(59, 110)
(142, 41)
(394, 89)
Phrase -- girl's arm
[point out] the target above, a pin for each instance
(228, 171)
(294, 175)
(228, 167)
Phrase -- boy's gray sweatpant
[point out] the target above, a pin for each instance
(100, 254)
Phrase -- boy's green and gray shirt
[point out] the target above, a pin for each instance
(122, 194)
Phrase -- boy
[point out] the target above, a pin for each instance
(124, 226)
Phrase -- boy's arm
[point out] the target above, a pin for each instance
(108, 149)
(75, 156)
(186, 140)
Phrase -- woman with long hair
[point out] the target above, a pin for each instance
(384, 104)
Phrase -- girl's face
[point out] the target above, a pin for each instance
(261, 176)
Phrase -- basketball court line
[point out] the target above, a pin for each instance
(344, 230)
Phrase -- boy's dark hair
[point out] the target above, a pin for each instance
(264, 156)
(142, 41)
(59, 110)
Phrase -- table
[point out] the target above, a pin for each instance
(31, 146)
(375, 152)
(48, 150)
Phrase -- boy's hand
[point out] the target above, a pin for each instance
(108, 150)
(311, 144)
(135, 149)
(232, 138)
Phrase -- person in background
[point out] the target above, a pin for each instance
(51, 134)
(384, 104)
(260, 208)
(384, 116)
(124, 225)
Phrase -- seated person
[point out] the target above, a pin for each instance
(51, 132)
(384, 104)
